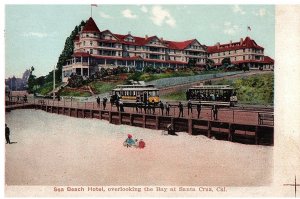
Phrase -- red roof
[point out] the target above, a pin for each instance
(268, 60)
(139, 41)
(90, 26)
(247, 43)
(179, 45)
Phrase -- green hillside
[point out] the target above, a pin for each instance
(258, 89)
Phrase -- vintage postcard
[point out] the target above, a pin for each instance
(180, 100)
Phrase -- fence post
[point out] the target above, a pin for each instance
(208, 128)
(156, 122)
(230, 132)
(131, 119)
(144, 120)
(190, 126)
(256, 135)
(110, 117)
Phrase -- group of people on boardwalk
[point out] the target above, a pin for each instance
(104, 102)
(18, 98)
(150, 107)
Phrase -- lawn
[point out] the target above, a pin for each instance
(100, 87)
(69, 92)
(258, 89)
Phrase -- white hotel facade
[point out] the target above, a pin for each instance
(94, 49)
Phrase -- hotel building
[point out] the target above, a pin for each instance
(246, 52)
(94, 49)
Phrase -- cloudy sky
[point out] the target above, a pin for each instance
(35, 34)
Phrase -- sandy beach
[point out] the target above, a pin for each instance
(53, 149)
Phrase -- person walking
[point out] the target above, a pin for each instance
(153, 107)
(145, 107)
(104, 103)
(121, 106)
(215, 112)
(7, 134)
(180, 107)
(117, 105)
(189, 105)
(167, 108)
(199, 109)
(25, 98)
(161, 105)
(98, 101)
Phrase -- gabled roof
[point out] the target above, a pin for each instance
(268, 60)
(90, 26)
(139, 41)
(179, 45)
(247, 43)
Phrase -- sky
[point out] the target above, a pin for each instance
(35, 34)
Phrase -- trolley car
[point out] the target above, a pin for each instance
(213, 94)
(134, 93)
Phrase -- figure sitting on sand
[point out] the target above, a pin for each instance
(130, 142)
(171, 130)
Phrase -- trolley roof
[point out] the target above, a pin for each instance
(135, 88)
(213, 87)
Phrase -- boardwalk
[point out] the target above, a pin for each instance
(230, 125)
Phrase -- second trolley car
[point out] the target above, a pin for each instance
(213, 94)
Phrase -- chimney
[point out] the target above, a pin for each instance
(146, 37)
(230, 42)
(218, 45)
(129, 32)
(241, 41)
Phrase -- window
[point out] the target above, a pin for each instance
(243, 57)
(91, 51)
(87, 35)
(83, 43)
(91, 43)
(243, 50)
(234, 58)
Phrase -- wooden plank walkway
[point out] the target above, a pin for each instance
(230, 131)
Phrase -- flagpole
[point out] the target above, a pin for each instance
(91, 11)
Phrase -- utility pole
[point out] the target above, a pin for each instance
(53, 83)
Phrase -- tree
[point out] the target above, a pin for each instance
(209, 64)
(31, 81)
(75, 81)
(67, 51)
(226, 61)
(192, 62)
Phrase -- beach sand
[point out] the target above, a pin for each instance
(53, 149)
